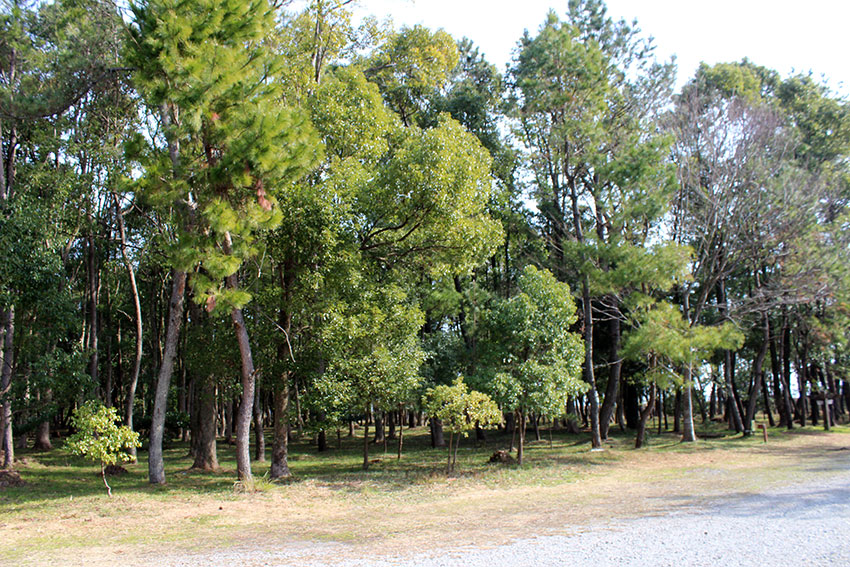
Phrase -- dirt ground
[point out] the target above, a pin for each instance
(357, 521)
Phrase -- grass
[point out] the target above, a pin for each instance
(63, 515)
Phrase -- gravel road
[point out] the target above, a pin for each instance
(807, 523)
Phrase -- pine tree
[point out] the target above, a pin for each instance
(230, 144)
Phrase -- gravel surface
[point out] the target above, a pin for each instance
(803, 524)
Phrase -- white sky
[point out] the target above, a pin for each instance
(780, 34)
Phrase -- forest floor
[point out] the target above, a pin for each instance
(410, 511)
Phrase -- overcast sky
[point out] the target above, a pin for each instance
(780, 34)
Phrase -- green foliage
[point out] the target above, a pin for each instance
(664, 340)
(533, 358)
(410, 65)
(231, 147)
(460, 409)
(373, 348)
(97, 436)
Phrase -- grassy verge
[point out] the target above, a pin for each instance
(62, 515)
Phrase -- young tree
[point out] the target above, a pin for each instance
(99, 438)
(460, 410)
(530, 359)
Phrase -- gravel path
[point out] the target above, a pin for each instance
(803, 524)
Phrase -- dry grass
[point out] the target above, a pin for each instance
(409, 505)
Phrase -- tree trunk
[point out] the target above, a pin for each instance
(803, 378)
(228, 420)
(712, 400)
(644, 417)
(688, 433)
(776, 371)
(449, 458)
(280, 446)
(42, 432)
(677, 412)
(606, 411)
(400, 431)
(391, 424)
(379, 427)
(246, 404)
(8, 361)
(785, 358)
(259, 438)
(731, 394)
(366, 439)
(42, 437)
(631, 406)
(93, 284)
(734, 409)
(766, 397)
(156, 470)
(520, 453)
(589, 375)
(758, 366)
(660, 411)
(437, 438)
(280, 442)
(203, 438)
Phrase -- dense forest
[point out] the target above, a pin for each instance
(221, 217)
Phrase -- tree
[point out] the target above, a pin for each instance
(586, 94)
(460, 410)
(230, 146)
(672, 350)
(530, 360)
(99, 439)
(373, 351)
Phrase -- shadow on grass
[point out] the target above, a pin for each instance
(56, 475)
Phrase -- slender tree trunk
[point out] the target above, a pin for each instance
(280, 443)
(712, 400)
(259, 438)
(644, 417)
(156, 470)
(728, 364)
(688, 433)
(631, 405)
(203, 438)
(280, 446)
(785, 358)
(520, 454)
(606, 411)
(677, 412)
(731, 394)
(766, 397)
(366, 439)
(589, 375)
(379, 427)
(758, 376)
(400, 431)
(660, 412)
(803, 378)
(93, 284)
(776, 371)
(228, 420)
